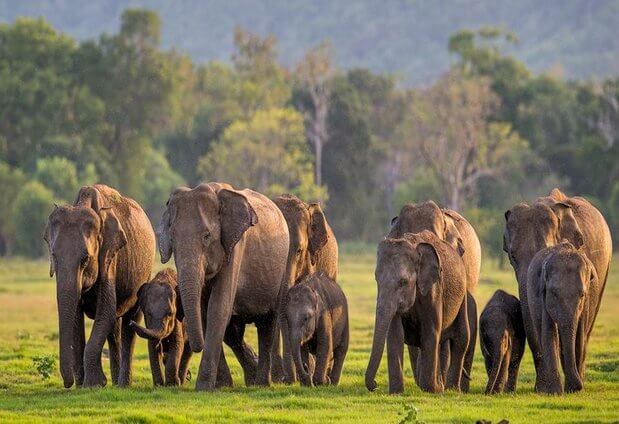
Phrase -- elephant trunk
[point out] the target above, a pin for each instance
(385, 313)
(67, 296)
(147, 333)
(302, 369)
(567, 331)
(190, 287)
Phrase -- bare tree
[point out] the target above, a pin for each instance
(452, 134)
(314, 73)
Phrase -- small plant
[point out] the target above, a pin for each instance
(52, 336)
(45, 365)
(23, 335)
(410, 415)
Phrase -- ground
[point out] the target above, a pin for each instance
(28, 328)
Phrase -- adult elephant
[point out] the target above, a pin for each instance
(101, 250)
(230, 248)
(453, 228)
(545, 223)
(313, 248)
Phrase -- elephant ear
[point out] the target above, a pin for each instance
(568, 226)
(318, 230)
(236, 215)
(430, 269)
(506, 233)
(452, 235)
(113, 238)
(90, 197)
(141, 293)
(164, 239)
(180, 312)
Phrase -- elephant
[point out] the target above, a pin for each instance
(102, 250)
(545, 223)
(316, 314)
(502, 340)
(421, 287)
(313, 248)
(230, 248)
(167, 342)
(456, 230)
(563, 295)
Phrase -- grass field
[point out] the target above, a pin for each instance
(28, 327)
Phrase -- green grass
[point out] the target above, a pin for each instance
(28, 328)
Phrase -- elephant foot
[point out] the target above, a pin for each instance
(306, 381)
(97, 379)
(204, 386)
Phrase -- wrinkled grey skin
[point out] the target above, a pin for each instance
(502, 340)
(313, 248)
(168, 346)
(545, 223)
(101, 250)
(451, 227)
(421, 287)
(316, 314)
(230, 248)
(563, 292)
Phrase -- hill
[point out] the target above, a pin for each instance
(408, 38)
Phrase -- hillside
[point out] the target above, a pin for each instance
(404, 37)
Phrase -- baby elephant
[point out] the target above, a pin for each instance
(502, 341)
(167, 341)
(563, 293)
(316, 313)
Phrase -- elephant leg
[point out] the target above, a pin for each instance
(128, 345)
(428, 362)
(265, 346)
(550, 340)
(445, 360)
(114, 348)
(459, 345)
(155, 357)
(528, 323)
(233, 337)
(395, 355)
(514, 365)
(78, 348)
(470, 352)
(290, 372)
(105, 319)
(224, 376)
(413, 354)
(277, 361)
(173, 359)
(339, 354)
(184, 364)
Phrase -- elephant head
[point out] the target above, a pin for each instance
(83, 243)
(414, 218)
(201, 227)
(405, 267)
(529, 229)
(307, 226)
(566, 276)
(161, 306)
(302, 311)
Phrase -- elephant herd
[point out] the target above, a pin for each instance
(243, 258)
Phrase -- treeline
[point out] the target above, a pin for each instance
(123, 111)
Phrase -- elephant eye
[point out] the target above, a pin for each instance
(207, 236)
(299, 251)
(403, 282)
(84, 260)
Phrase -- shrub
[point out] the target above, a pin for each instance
(45, 365)
(30, 211)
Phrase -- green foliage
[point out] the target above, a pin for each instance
(268, 153)
(30, 211)
(11, 182)
(45, 365)
(59, 175)
(159, 180)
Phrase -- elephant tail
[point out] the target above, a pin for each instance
(498, 356)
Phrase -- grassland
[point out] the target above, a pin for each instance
(28, 327)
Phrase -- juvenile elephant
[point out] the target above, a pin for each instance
(563, 293)
(451, 227)
(163, 317)
(421, 287)
(545, 223)
(101, 250)
(502, 340)
(313, 248)
(230, 248)
(316, 315)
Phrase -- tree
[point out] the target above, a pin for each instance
(11, 182)
(30, 211)
(59, 175)
(313, 75)
(267, 153)
(450, 129)
(159, 180)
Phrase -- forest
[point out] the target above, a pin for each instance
(123, 110)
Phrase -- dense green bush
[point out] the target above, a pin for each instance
(59, 175)
(30, 211)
